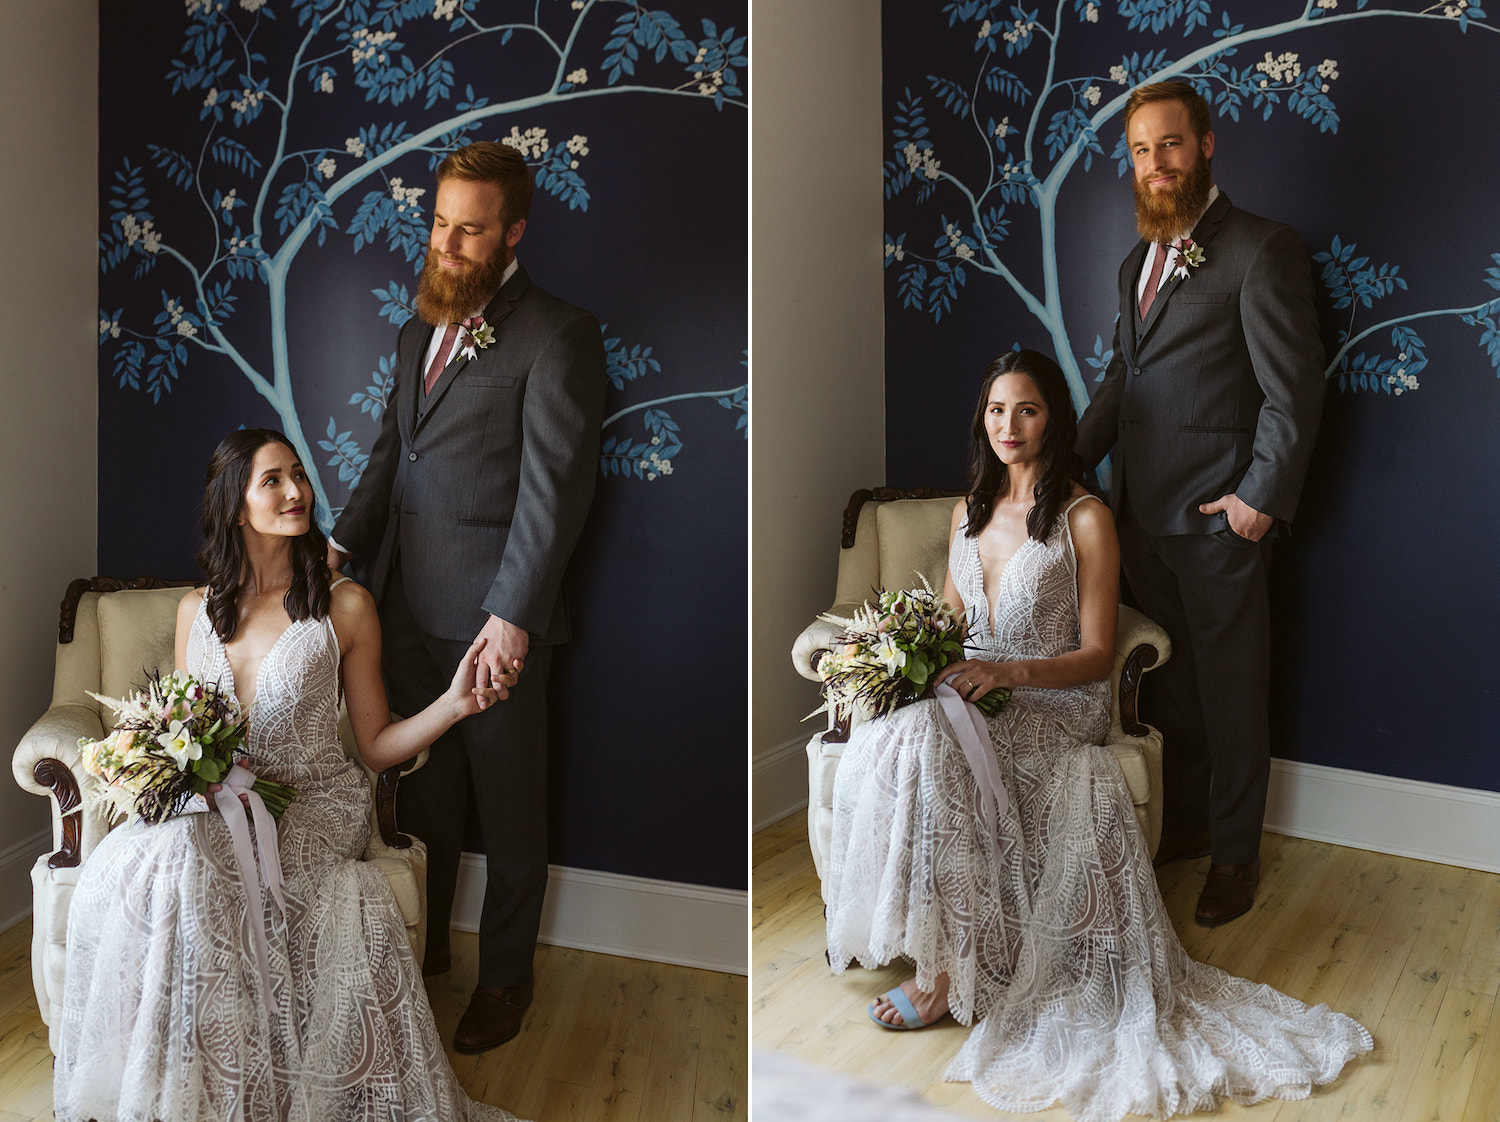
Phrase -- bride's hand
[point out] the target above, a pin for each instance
(213, 803)
(975, 677)
(468, 699)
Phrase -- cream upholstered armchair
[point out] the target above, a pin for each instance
(109, 634)
(889, 537)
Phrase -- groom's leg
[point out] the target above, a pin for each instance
(430, 802)
(506, 747)
(1170, 698)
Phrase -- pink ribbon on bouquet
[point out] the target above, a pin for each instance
(227, 798)
(974, 738)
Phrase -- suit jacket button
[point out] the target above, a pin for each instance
(1136, 370)
(413, 456)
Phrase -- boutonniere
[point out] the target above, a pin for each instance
(1189, 257)
(477, 335)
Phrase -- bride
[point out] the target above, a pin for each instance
(1046, 930)
(166, 1011)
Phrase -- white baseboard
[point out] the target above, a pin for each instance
(15, 877)
(611, 913)
(778, 781)
(1406, 817)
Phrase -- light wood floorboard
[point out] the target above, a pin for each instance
(1409, 948)
(608, 1039)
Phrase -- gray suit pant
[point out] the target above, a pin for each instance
(1210, 699)
(501, 755)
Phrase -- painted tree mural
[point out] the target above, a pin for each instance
(202, 240)
(1028, 125)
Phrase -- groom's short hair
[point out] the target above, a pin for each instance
(1197, 108)
(488, 162)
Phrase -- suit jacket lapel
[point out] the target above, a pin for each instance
(1203, 234)
(495, 313)
(1129, 305)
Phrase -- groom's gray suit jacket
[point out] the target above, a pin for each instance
(481, 487)
(1221, 388)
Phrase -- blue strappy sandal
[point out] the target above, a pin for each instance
(910, 1022)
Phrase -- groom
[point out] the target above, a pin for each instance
(467, 513)
(1211, 403)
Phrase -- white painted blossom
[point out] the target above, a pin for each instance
(984, 30)
(327, 167)
(578, 77)
(1328, 5)
(1328, 69)
(252, 5)
(1003, 128)
(1281, 68)
(355, 147)
(444, 9)
(193, 6)
(578, 145)
(248, 100)
(1019, 30)
(110, 327)
(920, 160)
(578, 5)
(227, 202)
(1091, 13)
(1400, 381)
(964, 251)
(405, 196)
(210, 98)
(712, 82)
(150, 238)
(366, 44)
(131, 229)
(1119, 74)
(186, 329)
(532, 143)
(1453, 11)
(1091, 95)
(325, 81)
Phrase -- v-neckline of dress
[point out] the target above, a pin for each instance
(990, 603)
(259, 670)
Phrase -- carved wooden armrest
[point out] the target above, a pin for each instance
(385, 800)
(47, 762)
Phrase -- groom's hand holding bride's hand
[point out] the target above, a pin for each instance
(464, 691)
(504, 653)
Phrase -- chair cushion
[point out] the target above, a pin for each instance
(913, 536)
(136, 633)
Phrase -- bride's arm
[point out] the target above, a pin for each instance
(187, 608)
(1098, 552)
(381, 741)
(950, 589)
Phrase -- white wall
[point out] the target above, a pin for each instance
(817, 342)
(49, 138)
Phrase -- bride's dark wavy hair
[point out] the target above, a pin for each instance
(1060, 464)
(222, 555)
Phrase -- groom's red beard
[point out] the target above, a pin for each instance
(447, 296)
(1161, 216)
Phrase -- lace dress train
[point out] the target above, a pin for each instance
(165, 1015)
(1050, 927)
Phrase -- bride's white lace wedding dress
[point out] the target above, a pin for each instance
(164, 1016)
(1050, 927)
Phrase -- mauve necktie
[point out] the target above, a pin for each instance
(1157, 263)
(440, 359)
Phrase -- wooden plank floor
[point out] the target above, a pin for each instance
(608, 1039)
(1410, 949)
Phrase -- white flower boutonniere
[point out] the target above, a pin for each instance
(1190, 257)
(476, 335)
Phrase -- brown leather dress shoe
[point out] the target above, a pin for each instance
(493, 1017)
(1180, 847)
(1228, 893)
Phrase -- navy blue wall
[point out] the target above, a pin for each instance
(648, 231)
(1386, 608)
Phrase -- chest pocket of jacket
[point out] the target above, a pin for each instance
(1187, 296)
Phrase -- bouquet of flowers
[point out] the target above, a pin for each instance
(889, 652)
(172, 740)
